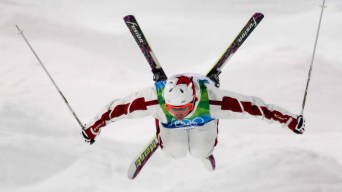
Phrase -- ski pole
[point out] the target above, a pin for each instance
(313, 56)
(54, 83)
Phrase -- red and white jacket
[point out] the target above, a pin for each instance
(223, 104)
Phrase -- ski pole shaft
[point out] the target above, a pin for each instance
(312, 58)
(50, 77)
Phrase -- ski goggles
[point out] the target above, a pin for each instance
(180, 111)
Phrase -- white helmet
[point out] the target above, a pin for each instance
(180, 96)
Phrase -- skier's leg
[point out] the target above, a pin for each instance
(202, 140)
(175, 142)
(202, 143)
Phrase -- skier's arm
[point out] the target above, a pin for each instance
(226, 104)
(139, 104)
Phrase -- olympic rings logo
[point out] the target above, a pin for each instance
(198, 121)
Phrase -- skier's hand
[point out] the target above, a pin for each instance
(89, 135)
(300, 128)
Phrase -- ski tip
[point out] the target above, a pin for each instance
(128, 17)
(258, 14)
(132, 171)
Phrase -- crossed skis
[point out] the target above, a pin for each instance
(159, 75)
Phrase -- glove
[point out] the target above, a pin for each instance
(89, 134)
(300, 128)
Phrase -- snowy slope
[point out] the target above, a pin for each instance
(89, 51)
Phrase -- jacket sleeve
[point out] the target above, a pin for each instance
(227, 105)
(139, 104)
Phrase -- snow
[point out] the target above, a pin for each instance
(90, 53)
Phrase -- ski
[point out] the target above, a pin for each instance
(139, 162)
(157, 70)
(215, 71)
(158, 75)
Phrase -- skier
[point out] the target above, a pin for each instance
(187, 108)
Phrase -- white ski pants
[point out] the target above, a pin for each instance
(198, 141)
